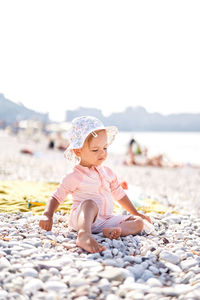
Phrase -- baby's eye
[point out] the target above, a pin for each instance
(105, 148)
(94, 150)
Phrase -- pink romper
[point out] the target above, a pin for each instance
(98, 184)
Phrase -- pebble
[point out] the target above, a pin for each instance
(29, 272)
(169, 257)
(154, 282)
(112, 274)
(189, 263)
(146, 275)
(137, 271)
(112, 297)
(3, 294)
(140, 267)
(56, 286)
(33, 286)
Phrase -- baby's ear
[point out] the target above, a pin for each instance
(77, 152)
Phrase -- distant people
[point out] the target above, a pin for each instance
(161, 161)
(56, 141)
(134, 149)
(156, 161)
(51, 144)
(50, 140)
(62, 143)
(139, 157)
(27, 151)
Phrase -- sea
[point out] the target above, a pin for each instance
(178, 147)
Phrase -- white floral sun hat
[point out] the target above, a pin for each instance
(81, 127)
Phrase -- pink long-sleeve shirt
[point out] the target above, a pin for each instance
(99, 184)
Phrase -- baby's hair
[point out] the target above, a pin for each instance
(132, 141)
(92, 135)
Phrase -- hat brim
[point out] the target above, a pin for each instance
(111, 133)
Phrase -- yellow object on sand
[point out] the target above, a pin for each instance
(154, 206)
(14, 197)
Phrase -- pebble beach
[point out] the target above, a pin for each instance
(35, 264)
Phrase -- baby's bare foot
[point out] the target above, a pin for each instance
(88, 243)
(112, 233)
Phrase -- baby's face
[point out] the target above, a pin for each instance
(94, 151)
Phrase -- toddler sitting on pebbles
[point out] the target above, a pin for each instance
(93, 188)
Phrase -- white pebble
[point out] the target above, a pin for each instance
(154, 282)
(170, 257)
(4, 263)
(55, 286)
(189, 263)
(33, 286)
(29, 272)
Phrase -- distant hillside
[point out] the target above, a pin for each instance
(11, 112)
(138, 119)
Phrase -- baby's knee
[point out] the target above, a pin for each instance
(89, 204)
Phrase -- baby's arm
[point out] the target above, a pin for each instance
(120, 196)
(67, 186)
(46, 221)
(127, 204)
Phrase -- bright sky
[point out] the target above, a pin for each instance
(108, 54)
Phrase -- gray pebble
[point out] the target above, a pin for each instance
(147, 274)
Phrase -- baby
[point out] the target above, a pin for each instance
(93, 188)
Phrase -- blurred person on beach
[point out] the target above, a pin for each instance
(139, 157)
(134, 149)
(57, 141)
(93, 188)
(51, 141)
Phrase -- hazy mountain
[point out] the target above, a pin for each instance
(138, 119)
(131, 119)
(11, 112)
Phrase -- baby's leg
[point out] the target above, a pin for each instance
(86, 217)
(132, 225)
(112, 232)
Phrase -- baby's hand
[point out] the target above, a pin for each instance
(46, 223)
(145, 217)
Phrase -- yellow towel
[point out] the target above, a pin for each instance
(154, 206)
(14, 196)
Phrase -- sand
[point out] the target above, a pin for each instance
(177, 188)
